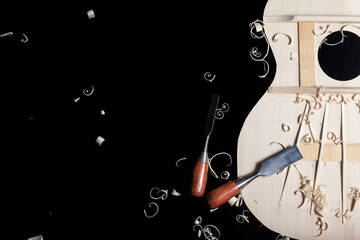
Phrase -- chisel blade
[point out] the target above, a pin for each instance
(211, 114)
(280, 161)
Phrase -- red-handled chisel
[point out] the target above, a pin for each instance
(222, 194)
(200, 171)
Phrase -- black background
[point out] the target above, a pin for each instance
(182, 43)
(146, 63)
(55, 180)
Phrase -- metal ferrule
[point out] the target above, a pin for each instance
(245, 181)
(204, 156)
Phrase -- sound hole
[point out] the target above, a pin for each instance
(338, 59)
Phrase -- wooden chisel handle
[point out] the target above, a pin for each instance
(199, 179)
(222, 194)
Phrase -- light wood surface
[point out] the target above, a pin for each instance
(307, 54)
(329, 140)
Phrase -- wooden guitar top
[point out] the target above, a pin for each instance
(306, 105)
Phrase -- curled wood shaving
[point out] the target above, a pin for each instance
(323, 226)
(305, 117)
(355, 193)
(25, 39)
(358, 104)
(313, 102)
(332, 137)
(306, 190)
(255, 54)
(282, 145)
(282, 237)
(347, 215)
(212, 170)
(219, 113)
(276, 39)
(285, 127)
(338, 98)
(354, 99)
(209, 77)
(206, 230)
(225, 175)
(177, 162)
(157, 196)
(156, 212)
(306, 139)
(324, 41)
(242, 217)
(88, 92)
(237, 201)
(8, 34)
(323, 29)
(320, 201)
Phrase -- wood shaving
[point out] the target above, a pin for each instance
(8, 34)
(156, 212)
(237, 201)
(91, 14)
(88, 92)
(354, 99)
(157, 196)
(255, 54)
(338, 98)
(207, 230)
(347, 215)
(282, 237)
(242, 217)
(175, 193)
(219, 113)
(177, 162)
(320, 201)
(25, 40)
(39, 237)
(285, 127)
(306, 190)
(332, 137)
(323, 29)
(276, 39)
(324, 41)
(306, 139)
(355, 193)
(282, 145)
(323, 226)
(313, 102)
(99, 140)
(209, 77)
(317, 196)
(218, 154)
(225, 175)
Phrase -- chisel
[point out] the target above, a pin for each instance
(200, 171)
(272, 165)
